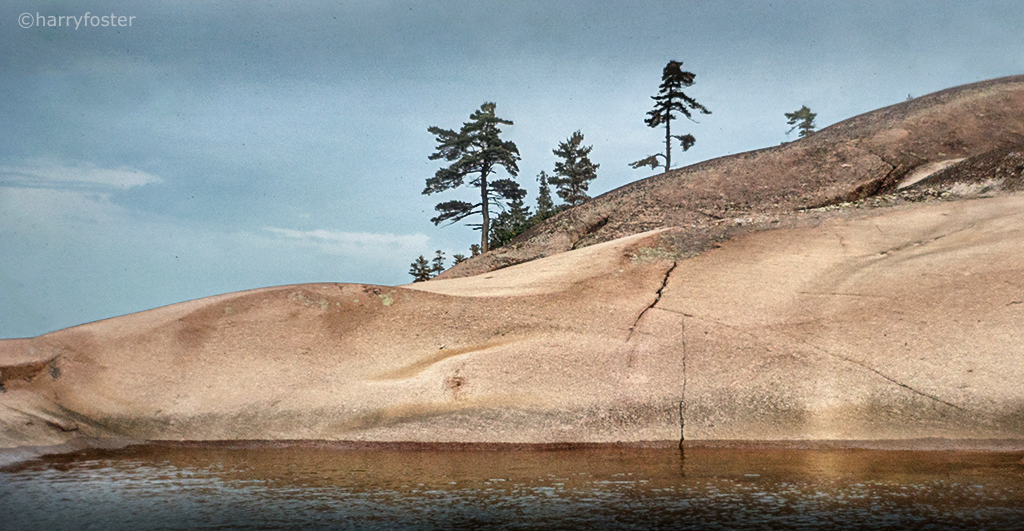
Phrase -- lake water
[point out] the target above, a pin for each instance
(161, 487)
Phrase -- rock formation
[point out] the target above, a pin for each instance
(863, 283)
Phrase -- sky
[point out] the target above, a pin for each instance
(198, 148)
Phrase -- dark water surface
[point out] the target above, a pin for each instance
(159, 487)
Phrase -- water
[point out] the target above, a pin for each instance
(158, 487)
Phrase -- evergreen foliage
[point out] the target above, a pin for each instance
(420, 270)
(475, 152)
(545, 205)
(575, 171)
(516, 218)
(510, 223)
(671, 99)
(437, 264)
(802, 119)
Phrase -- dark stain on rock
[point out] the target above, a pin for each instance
(25, 371)
(456, 384)
(194, 335)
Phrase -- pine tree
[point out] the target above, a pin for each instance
(510, 223)
(459, 258)
(475, 150)
(575, 170)
(802, 119)
(671, 99)
(437, 266)
(545, 206)
(420, 269)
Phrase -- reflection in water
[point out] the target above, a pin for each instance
(155, 487)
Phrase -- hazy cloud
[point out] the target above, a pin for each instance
(357, 243)
(41, 173)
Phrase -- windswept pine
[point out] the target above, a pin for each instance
(475, 152)
(802, 119)
(671, 99)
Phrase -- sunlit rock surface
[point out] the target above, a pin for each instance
(884, 312)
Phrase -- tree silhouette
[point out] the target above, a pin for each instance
(802, 119)
(575, 170)
(437, 264)
(671, 99)
(545, 206)
(475, 150)
(420, 269)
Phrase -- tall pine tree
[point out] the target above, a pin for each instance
(671, 99)
(575, 171)
(475, 152)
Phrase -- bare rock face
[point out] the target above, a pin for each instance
(900, 324)
(864, 156)
(777, 296)
(543, 354)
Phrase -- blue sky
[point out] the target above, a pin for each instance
(218, 146)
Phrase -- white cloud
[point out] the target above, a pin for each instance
(56, 213)
(357, 243)
(43, 173)
(60, 200)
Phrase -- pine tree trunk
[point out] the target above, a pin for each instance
(486, 224)
(668, 144)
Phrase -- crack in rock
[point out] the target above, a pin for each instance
(657, 297)
(925, 242)
(682, 396)
(893, 380)
(682, 401)
(844, 358)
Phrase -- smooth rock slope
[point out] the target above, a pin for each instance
(831, 315)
